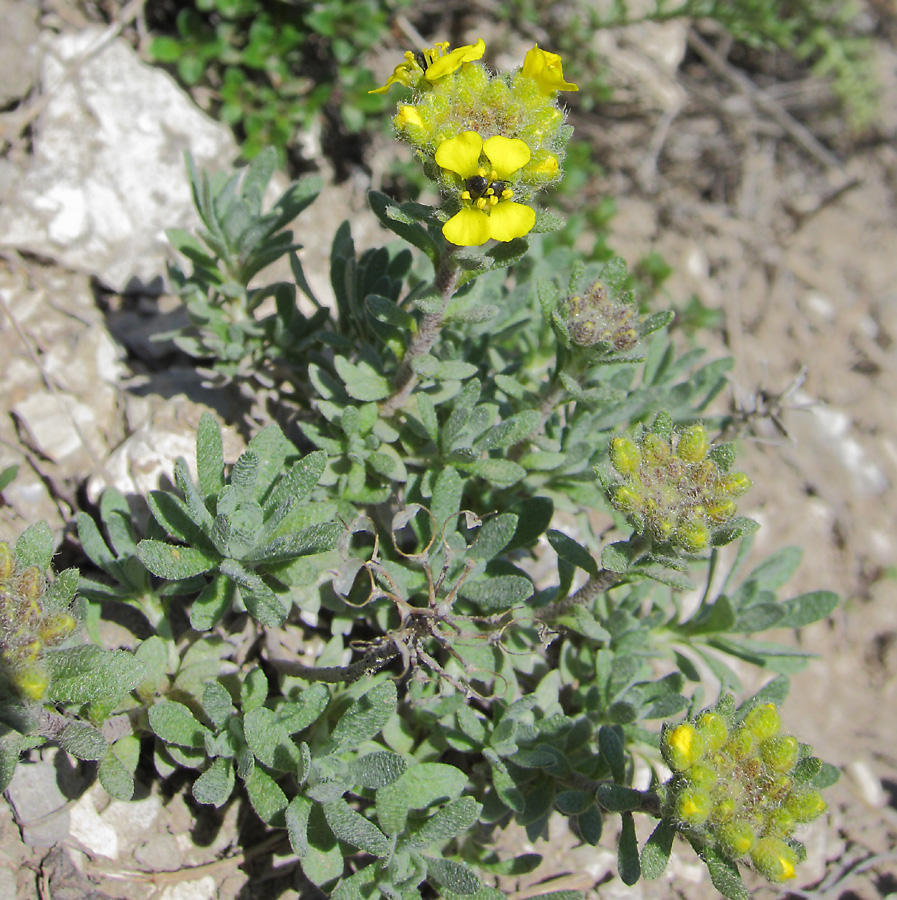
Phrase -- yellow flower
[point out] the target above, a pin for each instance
(443, 63)
(546, 69)
(406, 116)
(488, 211)
(431, 64)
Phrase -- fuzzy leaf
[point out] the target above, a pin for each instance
(617, 797)
(174, 563)
(377, 769)
(724, 874)
(808, 608)
(361, 380)
(266, 797)
(85, 673)
(366, 716)
(83, 741)
(417, 788)
(116, 770)
(627, 854)
(270, 742)
(453, 819)
(176, 724)
(35, 546)
(260, 600)
(657, 850)
(216, 784)
(213, 602)
(355, 829)
(209, 456)
(610, 743)
(454, 876)
(298, 714)
(501, 592)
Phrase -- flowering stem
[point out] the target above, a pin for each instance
(446, 283)
(603, 581)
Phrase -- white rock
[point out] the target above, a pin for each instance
(98, 838)
(108, 175)
(201, 889)
(51, 420)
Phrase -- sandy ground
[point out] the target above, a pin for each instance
(798, 251)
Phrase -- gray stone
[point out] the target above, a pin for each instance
(18, 38)
(108, 175)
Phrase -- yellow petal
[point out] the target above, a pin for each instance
(453, 61)
(547, 71)
(507, 155)
(468, 228)
(406, 116)
(548, 168)
(511, 220)
(461, 154)
(401, 74)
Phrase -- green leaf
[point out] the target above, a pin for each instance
(216, 704)
(808, 608)
(610, 743)
(7, 476)
(494, 535)
(390, 313)
(617, 557)
(499, 472)
(174, 563)
(443, 370)
(61, 591)
(454, 876)
(266, 797)
(216, 784)
(254, 690)
(534, 515)
(657, 850)
(176, 724)
(270, 742)
(314, 539)
(209, 456)
(417, 788)
(355, 829)
(116, 770)
(377, 769)
(776, 569)
(296, 816)
(260, 600)
(390, 214)
(627, 854)
(86, 673)
(618, 798)
(290, 491)
(323, 862)
(298, 714)
(590, 826)
(35, 546)
(453, 819)
(723, 873)
(717, 617)
(512, 431)
(83, 741)
(573, 552)
(827, 776)
(359, 887)
(215, 599)
(366, 716)
(362, 381)
(501, 592)
(732, 530)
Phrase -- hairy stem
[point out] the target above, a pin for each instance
(597, 584)
(371, 663)
(446, 283)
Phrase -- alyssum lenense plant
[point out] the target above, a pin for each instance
(372, 620)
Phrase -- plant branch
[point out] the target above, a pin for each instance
(446, 283)
(597, 584)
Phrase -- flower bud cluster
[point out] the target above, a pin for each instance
(489, 141)
(676, 487)
(27, 629)
(736, 786)
(594, 318)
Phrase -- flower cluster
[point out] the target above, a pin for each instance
(675, 487)
(741, 787)
(28, 626)
(595, 318)
(489, 141)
